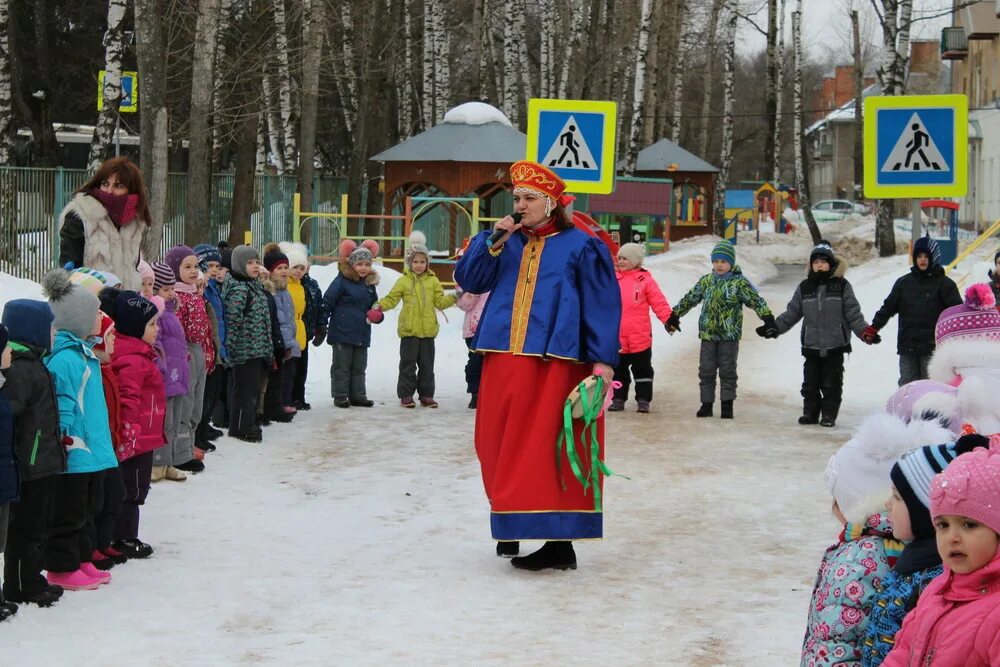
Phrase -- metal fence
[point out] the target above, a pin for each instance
(31, 200)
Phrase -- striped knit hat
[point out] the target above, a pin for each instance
(913, 473)
(724, 250)
(163, 275)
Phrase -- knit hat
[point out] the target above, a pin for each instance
(927, 246)
(913, 472)
(297, 253)
(970, 487)
(145, 270)
(823, 250)
(175, 257)
(133, 313)
(417, 245)
(241, 256)
(107, 298)
(976, 318)
(163, 275)
(207, 253)
(633, 252)
(90, 279)
(29, 321)
(226, 258)
(726, 251)
(160, 304)
(857, 475)
(365, 252)
(107, 324)
(74, 307)
(273, 257)
(926, 399)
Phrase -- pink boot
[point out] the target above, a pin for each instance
(91, 570)
(73, 581)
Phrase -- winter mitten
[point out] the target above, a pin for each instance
(770, 327)
(320, 336)
(870, 334)
(673, 323)
(761, 331)
(375, 316)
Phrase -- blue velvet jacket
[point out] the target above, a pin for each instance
(551, 296)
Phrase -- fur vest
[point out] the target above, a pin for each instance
(107, 247)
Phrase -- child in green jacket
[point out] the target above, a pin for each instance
(421, 293)
(724, 292)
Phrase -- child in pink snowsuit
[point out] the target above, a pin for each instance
(957, 619)
(472, 305)
(640, 294)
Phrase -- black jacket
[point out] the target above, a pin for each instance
(315, 316)
(71, 241)
(32, 397)
(10, 485)
(918, 298)
(995, 286)
(276, 340)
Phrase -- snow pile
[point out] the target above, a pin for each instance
(17, 288)
(475, 113)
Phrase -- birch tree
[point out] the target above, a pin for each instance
(274, 126)
(771, 102)
(639, 87)
(428, 97)
(197, 209)
(313, 19)
(225, 10)
(513, 36)
(442, 55)
(801, 183)
(728, 93)
(404, 81)
(154, 141)
(114, 48)
(706, 100)
(679, 63)
(285, 82)
(859, 129)
(6, 96)
(546, 51)
(347, 83)
(572, 44)
(779, 85)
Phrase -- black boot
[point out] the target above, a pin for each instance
(213, 433)
(727, 410)
(808, 419)
(342, 402)
(7, 609)
(508, 549)
(44, 598)
(473, 401)
(362, 402)
(134, 548)
(554, 555)
(828, 421)
(705, 410)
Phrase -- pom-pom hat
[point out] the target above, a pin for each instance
(527, 175)
(74, 307)
(417, 246)
(297, 253)
(975, 319)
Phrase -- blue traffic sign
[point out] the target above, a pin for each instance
(576, 140)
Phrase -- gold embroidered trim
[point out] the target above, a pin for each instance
(527, 277)
(496, 250)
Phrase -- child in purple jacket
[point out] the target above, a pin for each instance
(172, 342)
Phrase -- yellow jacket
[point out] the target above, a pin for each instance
(298, 294)
(421, 295)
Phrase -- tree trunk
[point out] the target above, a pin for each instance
(285, 82)
(428, 112)
(706, 100)
(677, 90)
(405, 79)
(779, 84)
(244, 180)
(154, 143)
(6, 91)
(728, 92)
(890, 76)
(197, 209)
(46, 147)
(859, 128)
(260, 161)
(546, 52)
(311, 57)
(225, 10)
(114, 48)
(273, 123)
(639, 88)
(801, 183)
(476, 30)
(572, 44)
(511, 80)
(771, 100)
(442, 65)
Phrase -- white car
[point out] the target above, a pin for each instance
(837, 209)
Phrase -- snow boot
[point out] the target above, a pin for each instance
(91, 570)
(428, 402)
(705, 410)
(473, 401)
(159, 472)
(362, 403)
(46, 597)
(727, 410)
(643, 407)
(194, 466)
(808, 419)
(7, 609)
(407, 402)
(827, 421)
(302, 405)
(175, 475)
(342, 402)
(212, 433)
(554, 555)
(134, 548)
(205, 446)
(508, 549)
(116, 556)
(74, 581)
(101, 561)
(254, 437)
(617, 405)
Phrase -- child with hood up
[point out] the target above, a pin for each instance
(857, 476)
(210, 263)
(349, 301)
(829, 311)
(957, 618)
(724, 292)
(640, 294)
(10, 484)
(422, 296)
(176, 379)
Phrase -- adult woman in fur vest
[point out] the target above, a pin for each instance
(102, 226)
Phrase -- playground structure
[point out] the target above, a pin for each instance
(638, 211)
(747, 209)
(941, 222)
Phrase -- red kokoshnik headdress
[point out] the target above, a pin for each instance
(533, 177)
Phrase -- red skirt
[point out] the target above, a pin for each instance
(518, 422)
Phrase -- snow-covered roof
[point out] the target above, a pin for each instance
(75, 133)
(665, 153)
(845, 112)
(471, 132)
(476, 113)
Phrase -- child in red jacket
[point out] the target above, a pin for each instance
(143, 406)
(640, 294)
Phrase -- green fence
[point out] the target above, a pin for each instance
(31, 200)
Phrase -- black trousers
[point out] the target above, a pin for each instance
(822, 384)
(103, 528)
(473, 369)
(288, 372)
(273, 404)
(78, 501)
(301, 373)
(214, 384)
(637, 365)
(135, 473)
(416, 367)
(244, 393)
(27, 534)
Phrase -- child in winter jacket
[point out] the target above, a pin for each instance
(640, 294)
(276, 263)
(421, 293)
(918, 298)
(41, 457)
(295, 379)
(83, 422)
(315, 320)
(724, 291)
(957, 618)
(9, 481)
(209, 260)
(472, 305)
(147, 277)
(248, 341)
(176, 379)
(143, 409)
(829, 311)
(193, 317)
(920, 563)
(349, 299)
(994, 275)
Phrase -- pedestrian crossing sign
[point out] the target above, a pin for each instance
(576, 140)
(916, 146)
(130, 92)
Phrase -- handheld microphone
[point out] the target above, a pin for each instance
(499, 233)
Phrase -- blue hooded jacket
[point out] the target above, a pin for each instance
(213, 294)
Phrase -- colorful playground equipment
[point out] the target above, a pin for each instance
(941, 222)
(638, 211)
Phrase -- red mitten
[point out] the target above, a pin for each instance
(375, 316)
(869, 334)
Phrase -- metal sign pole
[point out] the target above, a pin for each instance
(118, 135)
(915, 216)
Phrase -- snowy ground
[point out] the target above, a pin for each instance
(357, 537)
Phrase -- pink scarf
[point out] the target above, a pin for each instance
(121, 208)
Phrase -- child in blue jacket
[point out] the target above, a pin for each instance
(9, 483)
(83, 422)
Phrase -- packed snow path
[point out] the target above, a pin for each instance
(355, 537)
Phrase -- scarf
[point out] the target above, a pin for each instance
(121, 208)
(185, 288)
(918, 555)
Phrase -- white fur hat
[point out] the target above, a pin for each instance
(297, 253)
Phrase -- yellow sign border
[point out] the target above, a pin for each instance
(606, 184)
(132, 108)
(959, 188)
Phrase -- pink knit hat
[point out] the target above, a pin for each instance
(970, 487)
(977, 318)
(145, 270)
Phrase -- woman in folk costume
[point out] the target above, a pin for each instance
(551, 322)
